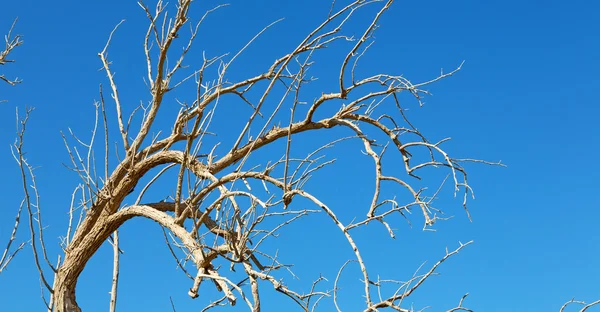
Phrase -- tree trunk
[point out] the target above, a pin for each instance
(74, 263)
(64, 291)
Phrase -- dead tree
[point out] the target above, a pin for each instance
(223, 205)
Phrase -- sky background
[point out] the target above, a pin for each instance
(525, 96)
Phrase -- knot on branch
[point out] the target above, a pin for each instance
(287, 199)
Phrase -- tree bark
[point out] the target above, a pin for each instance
(74, 263)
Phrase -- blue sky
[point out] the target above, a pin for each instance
(525, 96)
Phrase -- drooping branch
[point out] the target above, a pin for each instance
(224, 204)
(31, 201)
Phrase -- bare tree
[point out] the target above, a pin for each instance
(222, 208)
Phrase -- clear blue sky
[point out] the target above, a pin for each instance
(524, 96)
